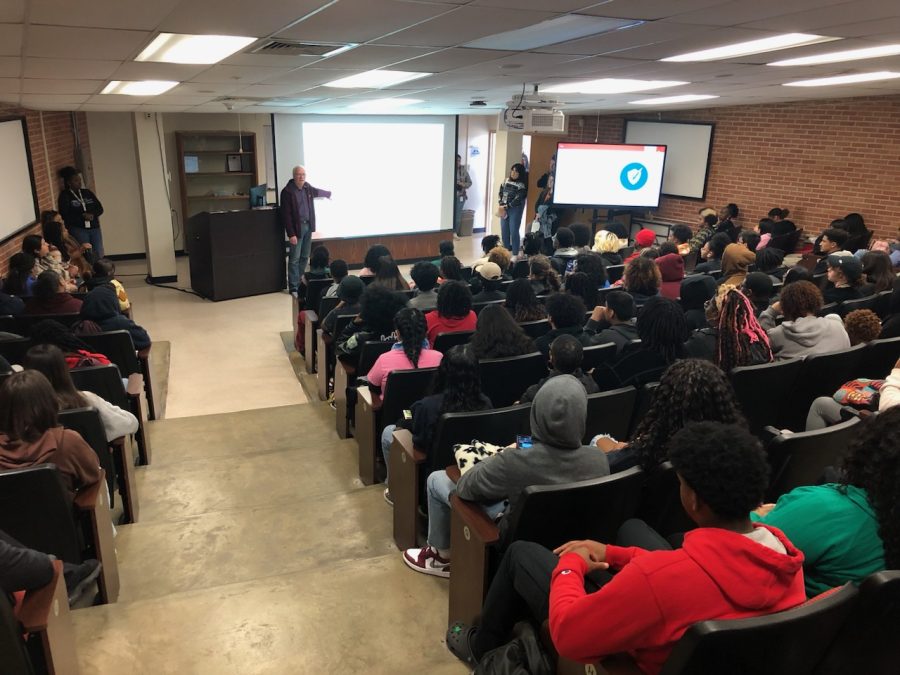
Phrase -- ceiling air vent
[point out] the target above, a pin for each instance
(294, 48)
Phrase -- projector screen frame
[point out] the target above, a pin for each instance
(609, 206)
(34, 196)
(709, 150)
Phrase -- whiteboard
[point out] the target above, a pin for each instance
(687, 154)
(17, 193)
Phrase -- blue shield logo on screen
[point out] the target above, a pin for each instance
(633, 176)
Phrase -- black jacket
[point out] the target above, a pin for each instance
(101, 306)
(11, 305)
(835, 294)
(426, 413)
(590, 387)
(72, 211)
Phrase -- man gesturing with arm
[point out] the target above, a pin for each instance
(298, 216)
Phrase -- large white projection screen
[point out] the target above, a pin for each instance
(387, 175)
(16, 186)
(687, 153)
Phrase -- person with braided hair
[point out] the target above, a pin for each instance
(741, 341)
(410, 351)
(850, 529)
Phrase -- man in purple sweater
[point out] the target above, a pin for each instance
(298, 216)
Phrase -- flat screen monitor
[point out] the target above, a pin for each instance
(258, 196)
(596, 174)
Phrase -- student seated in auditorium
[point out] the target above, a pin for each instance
(566, 356)
(490, 279)
(771, 262)
(802, 332)
(832, 242)
(711, 254)
(30, 433)
(726, 224)
(696, 291)
(388, 275)
(50, 361)
(488, 242)
(705, 231)
(104, 272)
(671, 270)
(614, 322)
(556, 456)
(582, 234)
(690, 390)
(736, 260)
(373, 255)
(454, 311)
(445, 248)
(502, 258)
(49, 296)
(566, 315)
(759, 290)
(619, 230)
(10, 305)
(76, 256)
(741, 340)
(797, 273)
(643, 240)
(544, 279)
(701, 343)
(641, 280)
(581, 286)
(35, 246)
(593, 266)
(564, 248)
(318, 269)
(20, 275)
(411, 349)
(662, 330)
(77, 353)
(339, 271)
(607, 244)
(101, 305)
(456, 389)
(862, 326)
(349, 292)
(845, 278)
(680, 235)
(498, 336)
(374, 323)
(522, 302)
(749, 240)
(765, 229)
(878, 272)
(859, 235)
(451, 269)
(532, 244)
(849, 529)
(728, 567)
(425, 276)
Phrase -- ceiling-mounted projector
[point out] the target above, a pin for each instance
(533, 113)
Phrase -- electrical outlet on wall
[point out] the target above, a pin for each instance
(148, 116)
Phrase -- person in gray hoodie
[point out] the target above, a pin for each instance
(802, 332)
(556, 456)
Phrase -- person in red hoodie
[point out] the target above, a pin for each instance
(728, 568)
(671, 268)
(643, 239)
(454, 311)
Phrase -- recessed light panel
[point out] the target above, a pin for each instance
(375, 79)
(840, 57)
(384, 104)
(844, 79)
(196, 49)
(138, 88)
(769, 44)
(664, 100)
(610, 85)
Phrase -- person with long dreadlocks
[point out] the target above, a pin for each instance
(741, 341)
(410, 351)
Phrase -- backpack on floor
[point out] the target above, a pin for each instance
(523, 655)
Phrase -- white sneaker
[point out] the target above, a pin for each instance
(427, 561)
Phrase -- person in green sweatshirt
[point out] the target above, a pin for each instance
(848, 530)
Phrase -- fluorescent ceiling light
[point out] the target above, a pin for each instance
(769, 44)
(684, 98)
(139, 88)
(844, 79)
(551, 32)
(610, 85)
(839, 57)
(340, 50)
(179, 48)
(385, 103)
(375, 79)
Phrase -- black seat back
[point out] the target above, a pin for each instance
(13, 653)
(785, 643)
(596, 355)
(644, 400)
(26, 321)
(314, 290)
(786, 242)
(882, 304)
(551, 515)
(403, 388)
(879, 358)
(609, 412)
(661, 506)
(14, 350)
(105, 381)
(498, 426)
(762, 390)
(326, 305)
(535, 329)
(830, 308)
(848, 306)
(369, 353)
(615, 272)
(867, 642)
(444, 341)
(86, 421)
(36, 509)
(117, 346)
(478, 306)
(801, 458)
(820, 375)
(505, 380)
(9, 324)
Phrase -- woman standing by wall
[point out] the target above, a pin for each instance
(513, 193)
(81, 210)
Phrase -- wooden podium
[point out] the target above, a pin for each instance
(234, 254)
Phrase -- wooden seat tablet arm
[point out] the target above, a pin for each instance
(312, 317)
(34, 614)
(474, 517)
(144, 353)
(89, 496)
(370, 397)
(135, 384)
(405, 439)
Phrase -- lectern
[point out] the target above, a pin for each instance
(234, 254)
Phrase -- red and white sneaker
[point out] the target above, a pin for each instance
(427, 561)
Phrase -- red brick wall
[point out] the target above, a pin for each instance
(820, 159)
(60, 151)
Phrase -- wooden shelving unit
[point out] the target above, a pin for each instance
(211, 187)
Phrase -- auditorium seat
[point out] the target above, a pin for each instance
(883, 304)
(8, 324)
(325, 359)
(642, 406)
(310, 326)
(661, 506)
(36, 509)
(505, 380)
(536, 329)
(14, 350)
(478, 306)
(879, 358)
(610, 412)
(596, 355)
(847, 306)
(549, 515)
(445, 341)
(615, 272)
(762, 390)
(345, 377)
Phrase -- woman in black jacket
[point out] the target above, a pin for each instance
(512, 197)
(81, 210)
(101, 306)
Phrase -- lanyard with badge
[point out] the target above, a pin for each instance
(83, 202)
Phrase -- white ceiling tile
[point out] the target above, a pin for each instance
(740, 11)
(268, 90)
(234, 17)
(10, 85)
(820, 17)
(363, 20)
(107, 107)
(269, 60)
(62, 86)
(368, 57)
(536, 5)
(648, 9)
(64, 68)
(309, 77)
(450, 59)
(200, 88)
(183, 99)
(10, 39)
(10, 66)
(42, 100)
(464, 25)
(134, 70)
(237, 74)
(883, 30)
(84, 43)
(627, 38)
(131, 14)
(705, 39)
(12, 11)
(152, 107)
(119, 99)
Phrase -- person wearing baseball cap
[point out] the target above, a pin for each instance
(491, 277)
(844, 277)
(643, 239)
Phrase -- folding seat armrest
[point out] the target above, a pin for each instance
(45, 614)
(144, 353)
(368, 433)
(312, 317)
(88, 497)
(406, 465)
(94, 503)
(37, 608)
(471, 535)
(768, 433)
(135, 384)
(404, 441)
(471, 515)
